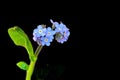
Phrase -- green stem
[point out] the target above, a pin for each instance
(32, 64)
(30, 70)
(39, 48)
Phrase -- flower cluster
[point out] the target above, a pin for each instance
(44, 36)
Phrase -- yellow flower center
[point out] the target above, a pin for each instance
(46, 40)
(40, 31)
(49, 33)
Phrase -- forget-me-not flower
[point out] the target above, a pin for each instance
(43, 36)
(62, 32)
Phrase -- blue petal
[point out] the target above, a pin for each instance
(49, 29)
(48, 44)
(35, 30)
(39, 27)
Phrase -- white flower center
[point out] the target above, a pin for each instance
(46, 40)
(49, 33)
(40, 31)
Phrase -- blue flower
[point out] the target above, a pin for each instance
(62, 32)
(38, 32)
(46, 40)
(41, 30)
(49, 32)
(43, 36)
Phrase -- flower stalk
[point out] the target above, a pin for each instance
(32, 64)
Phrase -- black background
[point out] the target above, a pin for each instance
(77, 55)
(66, 54)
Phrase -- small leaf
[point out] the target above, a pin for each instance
(22, 65)
(20, 38)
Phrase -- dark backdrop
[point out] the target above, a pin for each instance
(76, 56)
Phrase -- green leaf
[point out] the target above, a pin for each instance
(20, 38)
(22, 65)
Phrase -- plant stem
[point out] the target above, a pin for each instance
(39, 48)
(32, 64)
(30, 70)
